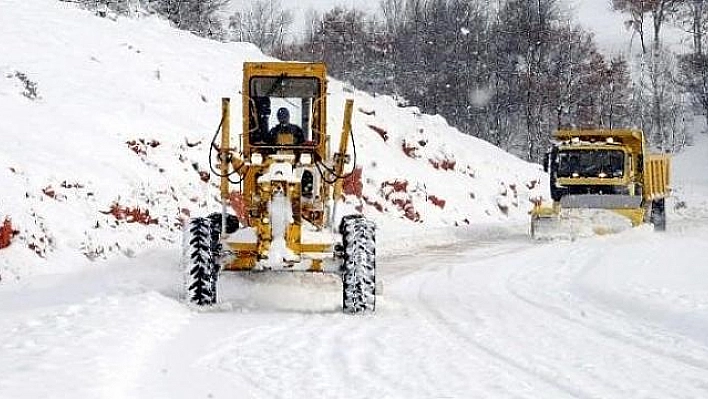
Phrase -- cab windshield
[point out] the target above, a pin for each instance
(591, 163)
(284, 111)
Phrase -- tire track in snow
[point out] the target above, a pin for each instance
(446, 329)
(304, 355)
(449, 328)
(403, 265)
(558, 364)
(613, 334)
(654, 358)
(93, 348)
(389, 354)
(228, 355)
(376, 363)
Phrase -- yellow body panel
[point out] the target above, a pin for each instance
(340, 158)
(245, 256)
(656, 176)
(632, 138)
(635, 215)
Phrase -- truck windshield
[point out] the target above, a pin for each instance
(591, 163)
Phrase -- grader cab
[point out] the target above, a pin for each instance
(285, 185)
(601, 181)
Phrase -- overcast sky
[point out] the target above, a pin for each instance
(304, 5)
(595, 15)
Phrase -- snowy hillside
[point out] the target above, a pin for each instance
(105, 130)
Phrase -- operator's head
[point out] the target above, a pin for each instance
(283, 115)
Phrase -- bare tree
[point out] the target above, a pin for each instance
(604, 93)
(264, 23)
(200, 17)
(694, 66)
(393, 14)
(660, 11)
(121, 7)
(615, 98)
(356, 48)
(509, 72)
(528, 29)
(695, 14)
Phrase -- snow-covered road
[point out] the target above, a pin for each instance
(606, 317)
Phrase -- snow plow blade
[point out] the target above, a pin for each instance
(601, 201)
(572, 223)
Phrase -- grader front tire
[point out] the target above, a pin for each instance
(198, 259)
(359, 267)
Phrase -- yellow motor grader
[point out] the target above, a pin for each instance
(285, 184)
(601, 181)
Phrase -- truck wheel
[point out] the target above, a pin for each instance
(658, 214)
(199, 261)
(359, 267)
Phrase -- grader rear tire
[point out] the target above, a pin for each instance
(359, 268)
(198, 260)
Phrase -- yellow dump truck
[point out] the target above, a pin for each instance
(601, 181)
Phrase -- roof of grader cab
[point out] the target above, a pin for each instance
(293, 69)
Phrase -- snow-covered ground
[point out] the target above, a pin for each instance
(501, 317)
(469, 309)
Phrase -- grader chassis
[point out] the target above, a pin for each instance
(288, 191)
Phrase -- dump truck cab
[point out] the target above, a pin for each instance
(592, 164)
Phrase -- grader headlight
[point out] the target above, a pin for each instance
(306, 159)
(256, 159)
